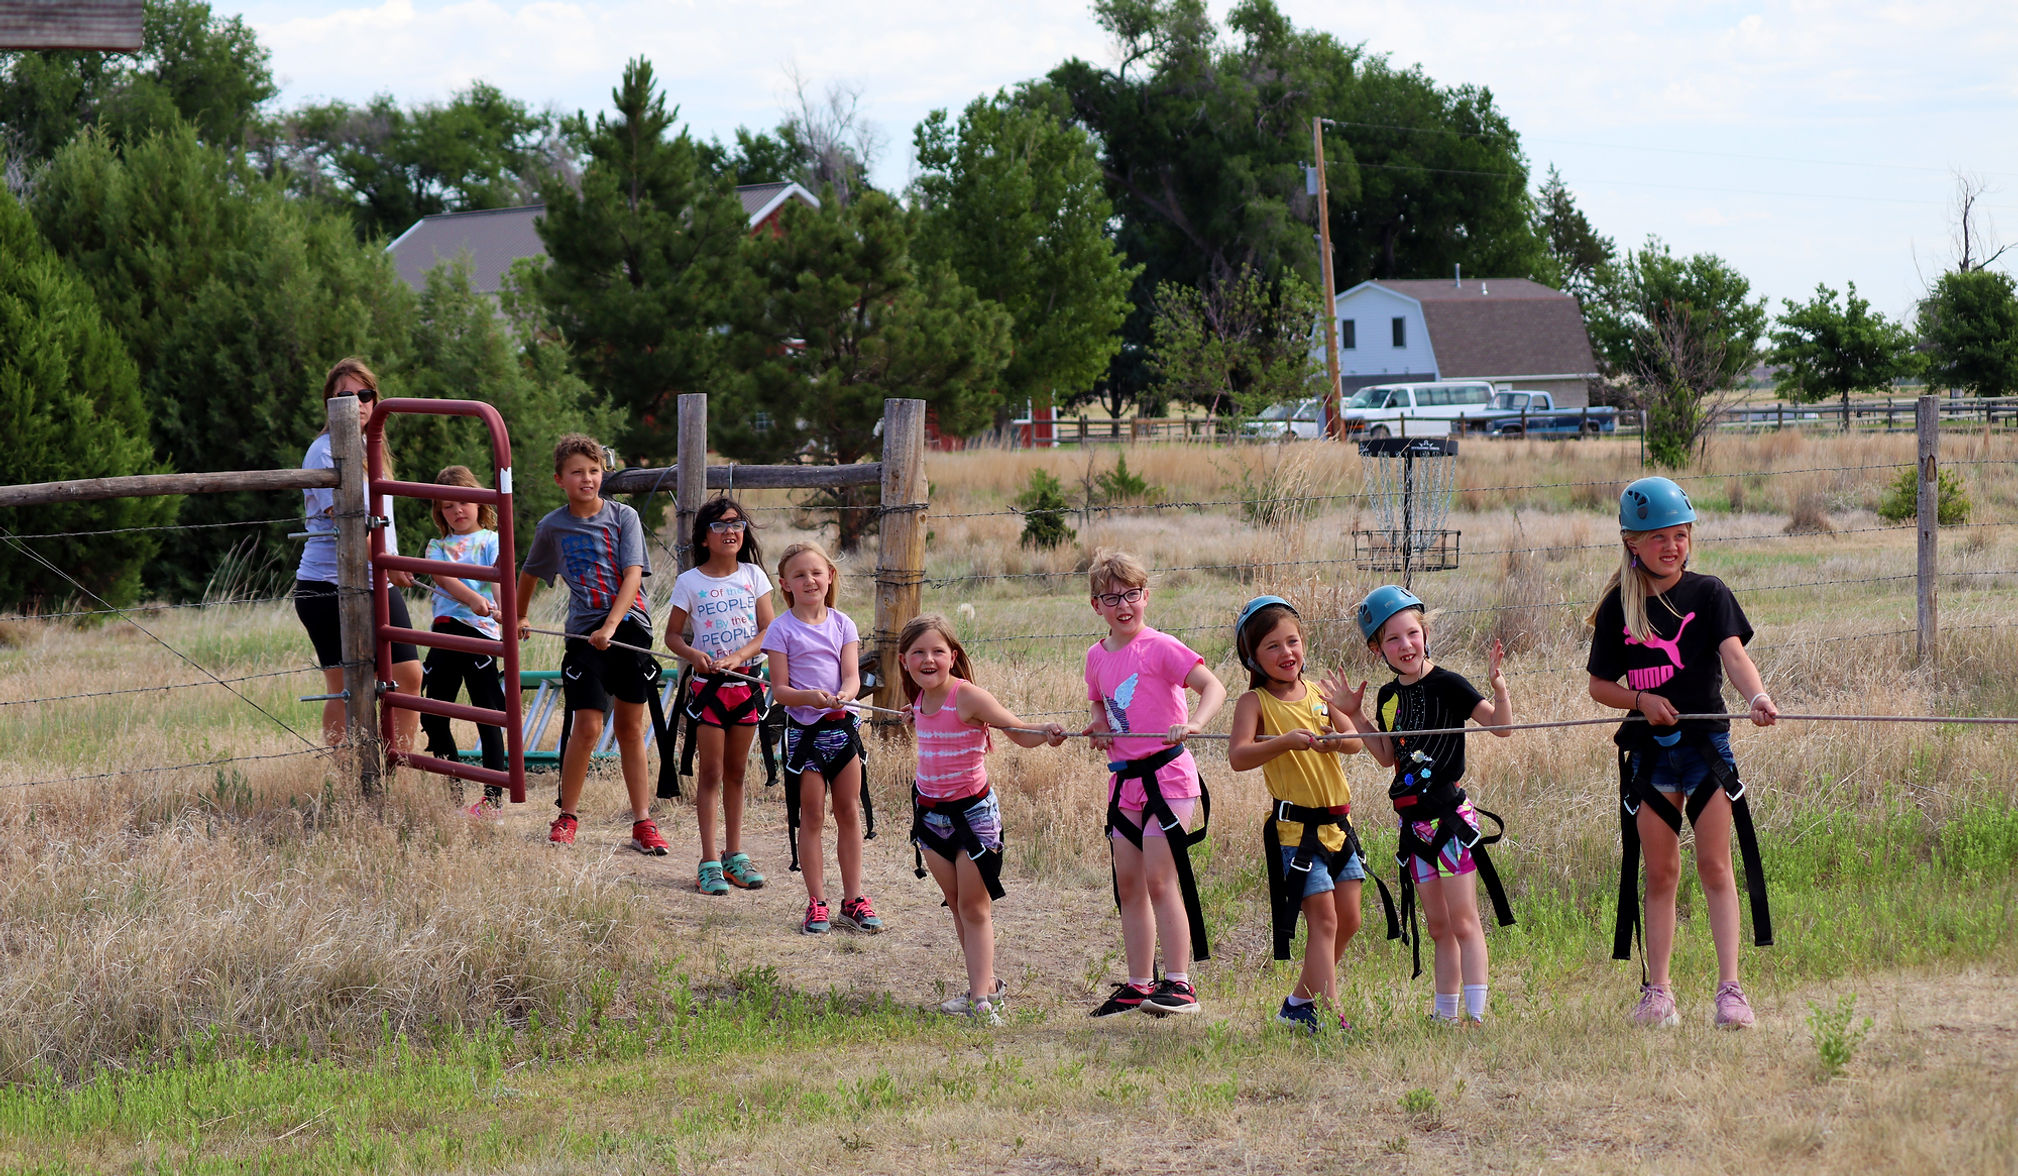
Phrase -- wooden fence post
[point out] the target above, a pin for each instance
(1927, 413)
(900, 556)
(690, 475)
(353, 595)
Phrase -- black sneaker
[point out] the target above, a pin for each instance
(1172, 997)
(1126, 999)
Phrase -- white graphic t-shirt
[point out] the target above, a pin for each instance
(722, 612)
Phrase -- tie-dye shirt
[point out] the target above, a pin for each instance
(1680, 664)
(1141, 688)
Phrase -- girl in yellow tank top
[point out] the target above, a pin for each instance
(1277, 727)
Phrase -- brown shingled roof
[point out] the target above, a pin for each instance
(1498, 327)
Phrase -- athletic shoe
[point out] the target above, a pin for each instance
(856, 914)
(738, 870)
(1657, 1007)
(1344, 1025)
(1126, 999)
(1298, 1016)
(562, 831)
(963, 1004)
(816, 918)
(987, 1011)
(1733, 1010)
(485, 809)
(708, 880)
(645, 838)
(1171, 998)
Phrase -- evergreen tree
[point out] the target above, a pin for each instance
(70, 408)
(638, 263)
(1970, 324)
(1576, 249)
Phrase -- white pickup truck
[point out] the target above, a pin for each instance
(1413, 410)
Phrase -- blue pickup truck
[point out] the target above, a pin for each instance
(1524, 413)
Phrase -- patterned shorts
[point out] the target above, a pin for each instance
(825, 744)
(985, 815)
(1455, 858)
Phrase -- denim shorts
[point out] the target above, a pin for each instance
(1319, 880)
(1682, 768)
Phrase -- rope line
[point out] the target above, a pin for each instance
(140, 608)
(673, 657)
(291, 519)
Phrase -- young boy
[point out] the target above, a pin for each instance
(598, 547)
(1136, 679)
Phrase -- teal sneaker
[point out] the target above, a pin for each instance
(740, 873)
(709, 881)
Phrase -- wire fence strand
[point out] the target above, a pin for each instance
(217, 763)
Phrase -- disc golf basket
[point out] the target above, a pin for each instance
(1408, 486)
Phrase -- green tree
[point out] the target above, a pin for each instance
(1824, 349)
(70, 408)
(233, 300)
(1238, 342)
(638, 262)
(1577, 251)
(1012, 200)
(207, 70)
(834, 319)
(1970, 324)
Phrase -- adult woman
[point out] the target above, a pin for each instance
(315, 578)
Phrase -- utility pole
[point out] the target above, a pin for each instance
(1331, 392)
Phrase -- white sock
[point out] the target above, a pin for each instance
(1474, 1001)
(1447, 1005)
(1178, 977)
(1139, 982)
(1297, 1002)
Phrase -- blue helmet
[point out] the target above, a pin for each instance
(1240, 626)
(1382, 603)
(1653, 503)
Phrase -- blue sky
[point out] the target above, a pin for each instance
(1805, 141)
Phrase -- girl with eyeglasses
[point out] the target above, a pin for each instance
(721, 610)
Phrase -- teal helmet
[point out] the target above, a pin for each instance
(1382, 603)
(1652, 503)
(1240, 645)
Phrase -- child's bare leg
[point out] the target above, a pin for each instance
(977, 926)
(1345, 900)
(1663, 853)
(848, 829)
(1320, 968)
(1460, 902)
(631, 724)
(1720, 883)
(708, 787)
(944, 873)
(1138, 916)
(1448, 966)
(406, 679)
(1173, 926)
(735, 759)
(584, 732)
(812, 827)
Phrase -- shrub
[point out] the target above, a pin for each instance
(1121, 484)
(1836, 1039)
(1044, 509)
(1902, 501)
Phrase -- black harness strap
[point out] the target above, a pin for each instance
(696, 703)
(809, 759)
(1285, 894)
(964, 839)
(1181, 840)
(665, 734)
(1415, 800)
(1636, 788)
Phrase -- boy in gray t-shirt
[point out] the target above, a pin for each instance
(598, 548)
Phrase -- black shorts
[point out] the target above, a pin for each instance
(315, 604)
(590, 677)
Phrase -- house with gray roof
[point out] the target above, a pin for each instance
(496, 237)
(1507, 330)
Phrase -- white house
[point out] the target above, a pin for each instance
(1507, 330)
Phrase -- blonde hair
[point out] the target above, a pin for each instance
(1113, 567)
(1631, 581)
(799, 549)
(932, 623)
(455, 475)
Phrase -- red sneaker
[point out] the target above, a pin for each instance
(645, 838)
(562, 831)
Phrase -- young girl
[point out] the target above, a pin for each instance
(1442, 853)
(1313, 856)
(1672, 635)
(465, 608)
(726, 602)
(815, 651)
(956, 820)
(1135, 679)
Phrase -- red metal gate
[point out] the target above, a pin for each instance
(385, 633)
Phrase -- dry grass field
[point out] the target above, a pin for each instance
(243, 968)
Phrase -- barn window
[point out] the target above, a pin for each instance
(1401, 332)
(1347, 336)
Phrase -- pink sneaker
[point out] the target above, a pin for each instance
(1657, 1007)
(1733, 1010)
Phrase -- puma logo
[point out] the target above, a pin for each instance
(1653, 676)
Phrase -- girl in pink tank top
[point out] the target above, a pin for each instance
(956, 821)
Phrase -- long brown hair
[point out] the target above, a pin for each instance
(456, 475)
(353, 365)
(932, 623)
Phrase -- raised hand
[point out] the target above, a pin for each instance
(1494, 662)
